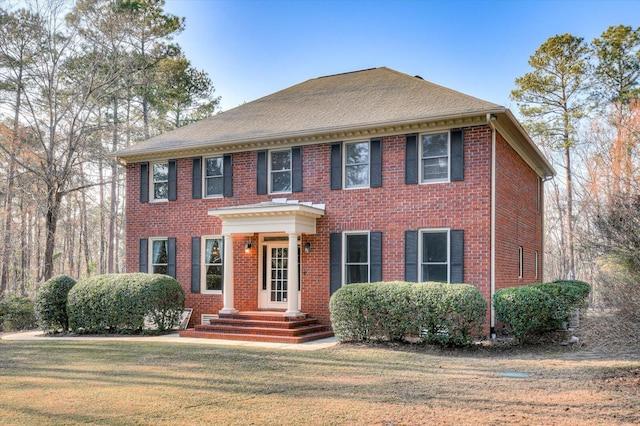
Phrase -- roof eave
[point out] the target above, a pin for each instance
(336, 133)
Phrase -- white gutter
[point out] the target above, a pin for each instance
(490, 121)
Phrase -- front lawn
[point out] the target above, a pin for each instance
(108, 382)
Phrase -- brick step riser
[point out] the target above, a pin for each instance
(285, 332)
(265, 324)
(261, 317)
(256, 338)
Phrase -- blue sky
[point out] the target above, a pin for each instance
(252, 48)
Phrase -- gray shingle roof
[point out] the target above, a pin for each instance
(354, 100)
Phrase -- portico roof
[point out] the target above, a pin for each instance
(278, 215)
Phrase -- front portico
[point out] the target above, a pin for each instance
(281, 223)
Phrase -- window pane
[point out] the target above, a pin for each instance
(434, 273)
(214, 166)
(281, 160)
(435, 145)
(357, 274)
(435, 168)
(160, 269)
(214, 278)
(357, 176)
(159, 254)
(357, 248)
(161, 172)
(160, 191)
(212, 251)
(357, 153)
(434, 247)
(281, 181)
(214, 186)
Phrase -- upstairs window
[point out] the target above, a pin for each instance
(160, 181)
(356, 165)
(435, 157)
(214, 177)
(280, 171)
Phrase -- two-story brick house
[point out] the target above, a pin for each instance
(366, 176)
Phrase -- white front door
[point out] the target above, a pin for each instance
(274, 286)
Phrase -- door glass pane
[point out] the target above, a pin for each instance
(278, 281)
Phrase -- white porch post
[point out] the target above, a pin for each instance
(293, 278)
(228, 276)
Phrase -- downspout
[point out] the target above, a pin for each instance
(490, 121)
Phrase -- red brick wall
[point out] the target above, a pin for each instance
(518, 219)
(392, 209)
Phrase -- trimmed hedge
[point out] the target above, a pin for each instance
(532, 310)
(120, 303)
(51, 304)
(445, 314)
(17, 313)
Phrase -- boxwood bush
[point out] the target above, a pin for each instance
(17, 313)
(51, 304)
(446, 314)
(120, 303)
(532, 310)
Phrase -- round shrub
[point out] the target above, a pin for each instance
(446, 314)
(125, 303)
(17, 313)
(531, 310)
(51, 304)
(526, 311)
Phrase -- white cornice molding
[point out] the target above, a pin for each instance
(312, 138)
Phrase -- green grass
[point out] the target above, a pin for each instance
(125, 383)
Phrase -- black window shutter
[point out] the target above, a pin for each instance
(375, 258)
(336, 165)
(144, 255)
(171, 257)
(456, 256)
(411, 159)
(296, 169)
(144, 182)
(227, 173)
(195, 265)
(197, 178)
(173, 193)
(411, 256)
(457, 155)
(262, 172)
(335, 261)
(375, 170)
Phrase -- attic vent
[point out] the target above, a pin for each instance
(417, 76)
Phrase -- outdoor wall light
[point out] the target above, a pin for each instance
(247, 247)
(307, 247)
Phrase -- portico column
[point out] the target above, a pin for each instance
(228, 276)
(293, 278)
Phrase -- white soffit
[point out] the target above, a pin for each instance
(277, 215)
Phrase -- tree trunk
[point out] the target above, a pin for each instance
(569, 217)
(114, 181)
(51, 224)
(6, 246)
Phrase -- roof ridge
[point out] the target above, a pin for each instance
(347, 72)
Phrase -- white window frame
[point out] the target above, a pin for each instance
(421, 233)
(520, 262)
(345, 235)
(152, 265)
(536, 261)
(290, 170)
(204, 264)
(345, 165)
(152, 182)
(205, 176)
(421, 158)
